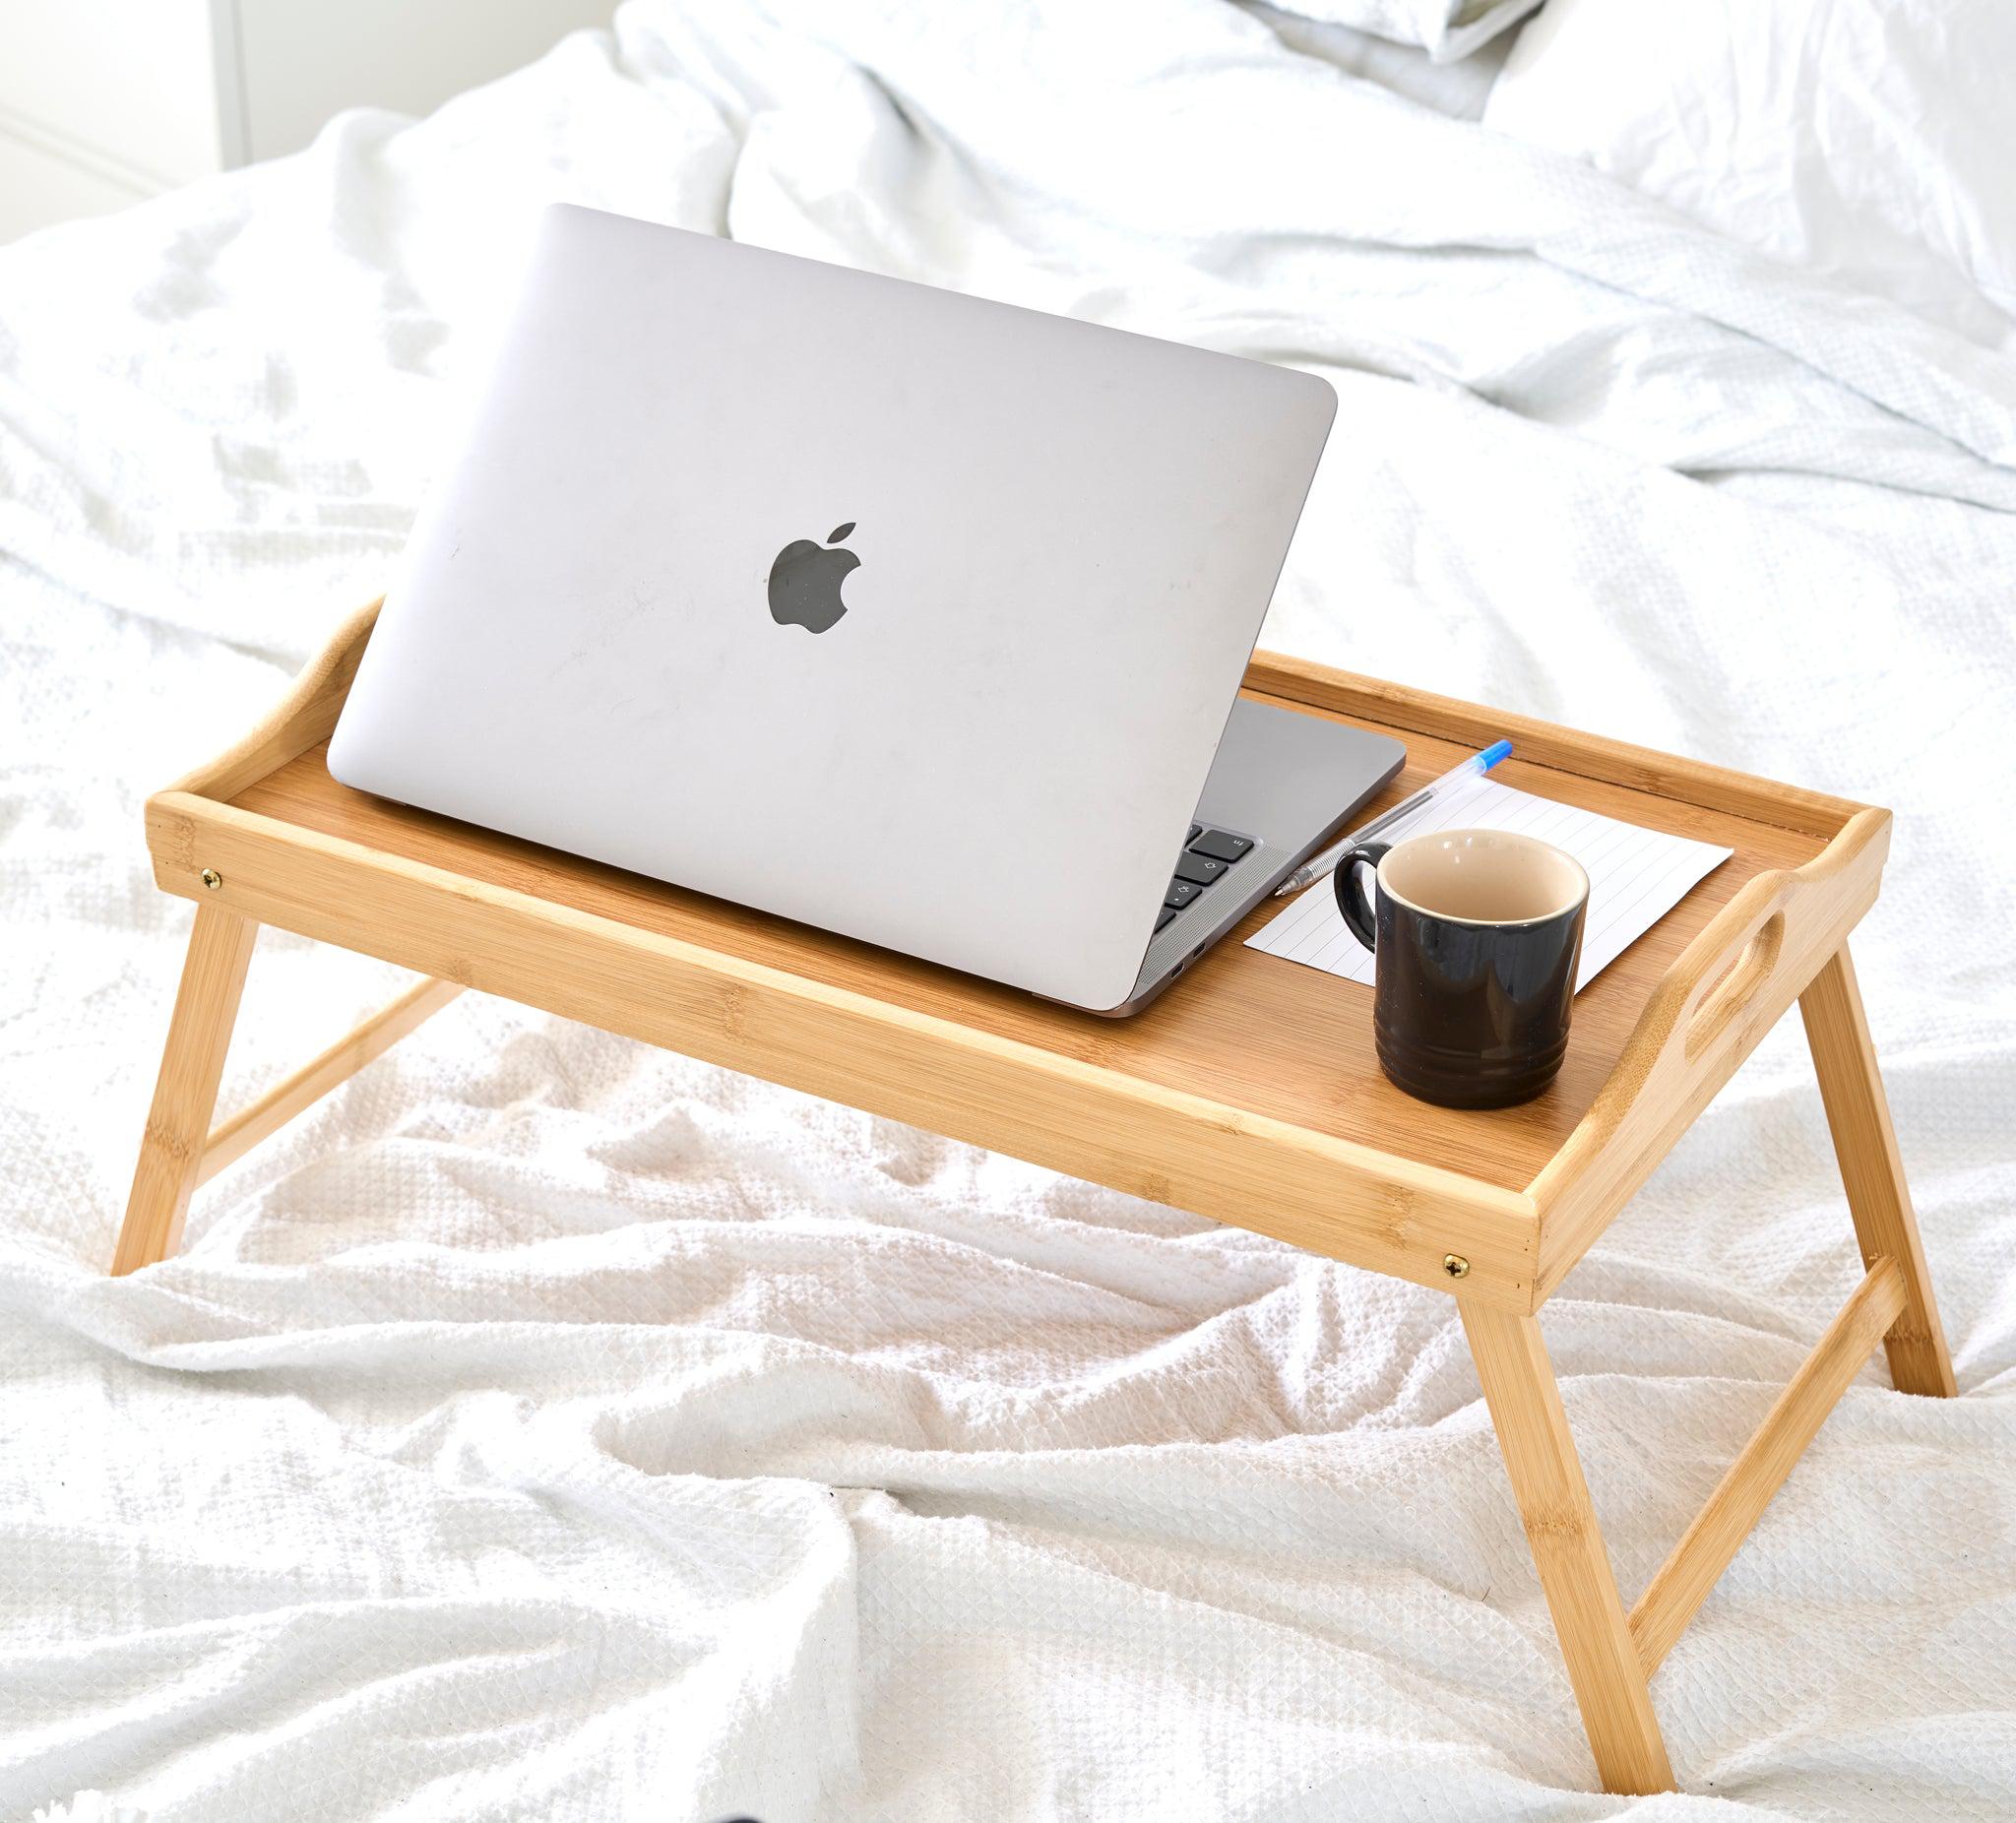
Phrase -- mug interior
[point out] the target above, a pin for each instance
(1483, 876)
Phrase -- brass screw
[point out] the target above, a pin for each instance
(1455, 1265)
(212, 878)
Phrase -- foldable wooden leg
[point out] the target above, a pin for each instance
(1717, 1533)
(1857, 1113)
(1567, 1549)
(185, 1093)
(231, 1140)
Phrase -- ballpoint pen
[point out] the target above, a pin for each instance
(1318, 866)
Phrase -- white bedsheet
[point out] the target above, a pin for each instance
(546, 1427)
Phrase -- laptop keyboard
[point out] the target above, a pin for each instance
(1207, 858)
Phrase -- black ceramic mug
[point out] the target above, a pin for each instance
(1476, 940)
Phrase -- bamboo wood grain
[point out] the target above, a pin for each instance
(185, 1091)
(1250, 1093)
(1736, 978)
(1248, 1030)
(305, 713)
(1696, 1563)
(1563, 749)
(1243, 1028)
(233, 1139)
(1872, 1172)
(1245, 1033)
(1334, 1197)
(1604, 1669)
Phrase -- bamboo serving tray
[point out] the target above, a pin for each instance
(1249, 1093)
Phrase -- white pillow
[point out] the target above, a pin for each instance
(1870, 139)
(1448, 29)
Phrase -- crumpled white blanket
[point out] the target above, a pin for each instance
(548, 1428)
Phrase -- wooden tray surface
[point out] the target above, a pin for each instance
(1248, 1031)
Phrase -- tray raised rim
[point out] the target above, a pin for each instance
(1376, 1208)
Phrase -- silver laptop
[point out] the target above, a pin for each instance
(913, 616)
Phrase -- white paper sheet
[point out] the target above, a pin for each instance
(1636, 876)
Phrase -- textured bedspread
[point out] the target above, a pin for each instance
(547, 1427)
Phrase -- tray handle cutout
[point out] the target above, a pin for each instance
(1737, 985)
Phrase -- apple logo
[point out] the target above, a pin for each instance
(806, 580)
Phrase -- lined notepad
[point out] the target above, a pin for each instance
(1636, 876)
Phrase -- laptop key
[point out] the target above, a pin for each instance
(1180, 892)
(1163, 916)
(1201, 870)
(1222, 846)
(1196, 830)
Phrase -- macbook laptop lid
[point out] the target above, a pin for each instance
(903, 613)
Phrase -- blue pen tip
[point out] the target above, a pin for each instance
(1493, 754)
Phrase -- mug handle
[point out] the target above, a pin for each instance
(1352, 901)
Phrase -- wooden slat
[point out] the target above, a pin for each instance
(1697, 1561)
(233, 1139)
(1567, 1549)
(1878, 1198)
(1171, 1145)
(192, 1064)
(1593, 756)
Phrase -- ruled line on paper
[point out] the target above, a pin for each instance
(1636, 876)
